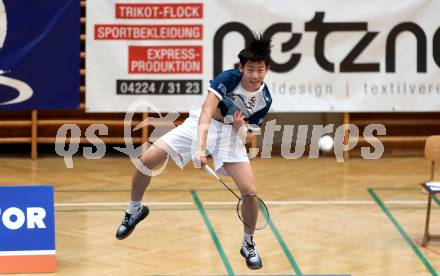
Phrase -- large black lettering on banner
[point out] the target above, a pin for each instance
(323, 29)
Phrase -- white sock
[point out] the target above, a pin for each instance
(133, 207)
(247, 239)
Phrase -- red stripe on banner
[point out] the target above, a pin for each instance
(27, 264)
(159, 11)
(165, 59)
(148, 32)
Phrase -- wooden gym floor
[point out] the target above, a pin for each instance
(359, 217)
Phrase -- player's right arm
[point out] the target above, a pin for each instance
(208, 109)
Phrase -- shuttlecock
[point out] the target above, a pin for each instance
(326, 143)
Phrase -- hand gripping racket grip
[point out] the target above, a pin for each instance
(211, 171)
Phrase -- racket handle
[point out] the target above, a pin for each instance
(210, 171)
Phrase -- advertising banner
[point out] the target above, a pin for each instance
(39, 54)
(341, 56)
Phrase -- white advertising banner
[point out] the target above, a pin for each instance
(341, 55)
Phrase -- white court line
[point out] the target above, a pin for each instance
(269, 202)
(27, 253)
(156, 203)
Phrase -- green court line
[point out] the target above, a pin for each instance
(212, 232)
(402, 232)
(436, 199)
(283, 245)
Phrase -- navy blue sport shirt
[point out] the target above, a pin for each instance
(233, 97)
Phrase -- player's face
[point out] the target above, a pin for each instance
(253, 75)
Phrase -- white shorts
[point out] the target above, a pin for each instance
(222, 143)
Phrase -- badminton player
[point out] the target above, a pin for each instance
(237, 102)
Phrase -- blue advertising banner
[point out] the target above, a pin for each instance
(27, 218)
(39, 54)
(27, 229)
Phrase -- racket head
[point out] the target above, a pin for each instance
(263, 217)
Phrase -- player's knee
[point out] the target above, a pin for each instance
(147, 160)
(251, 191)
(249, 188)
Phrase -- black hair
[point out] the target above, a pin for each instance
(258, 50)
